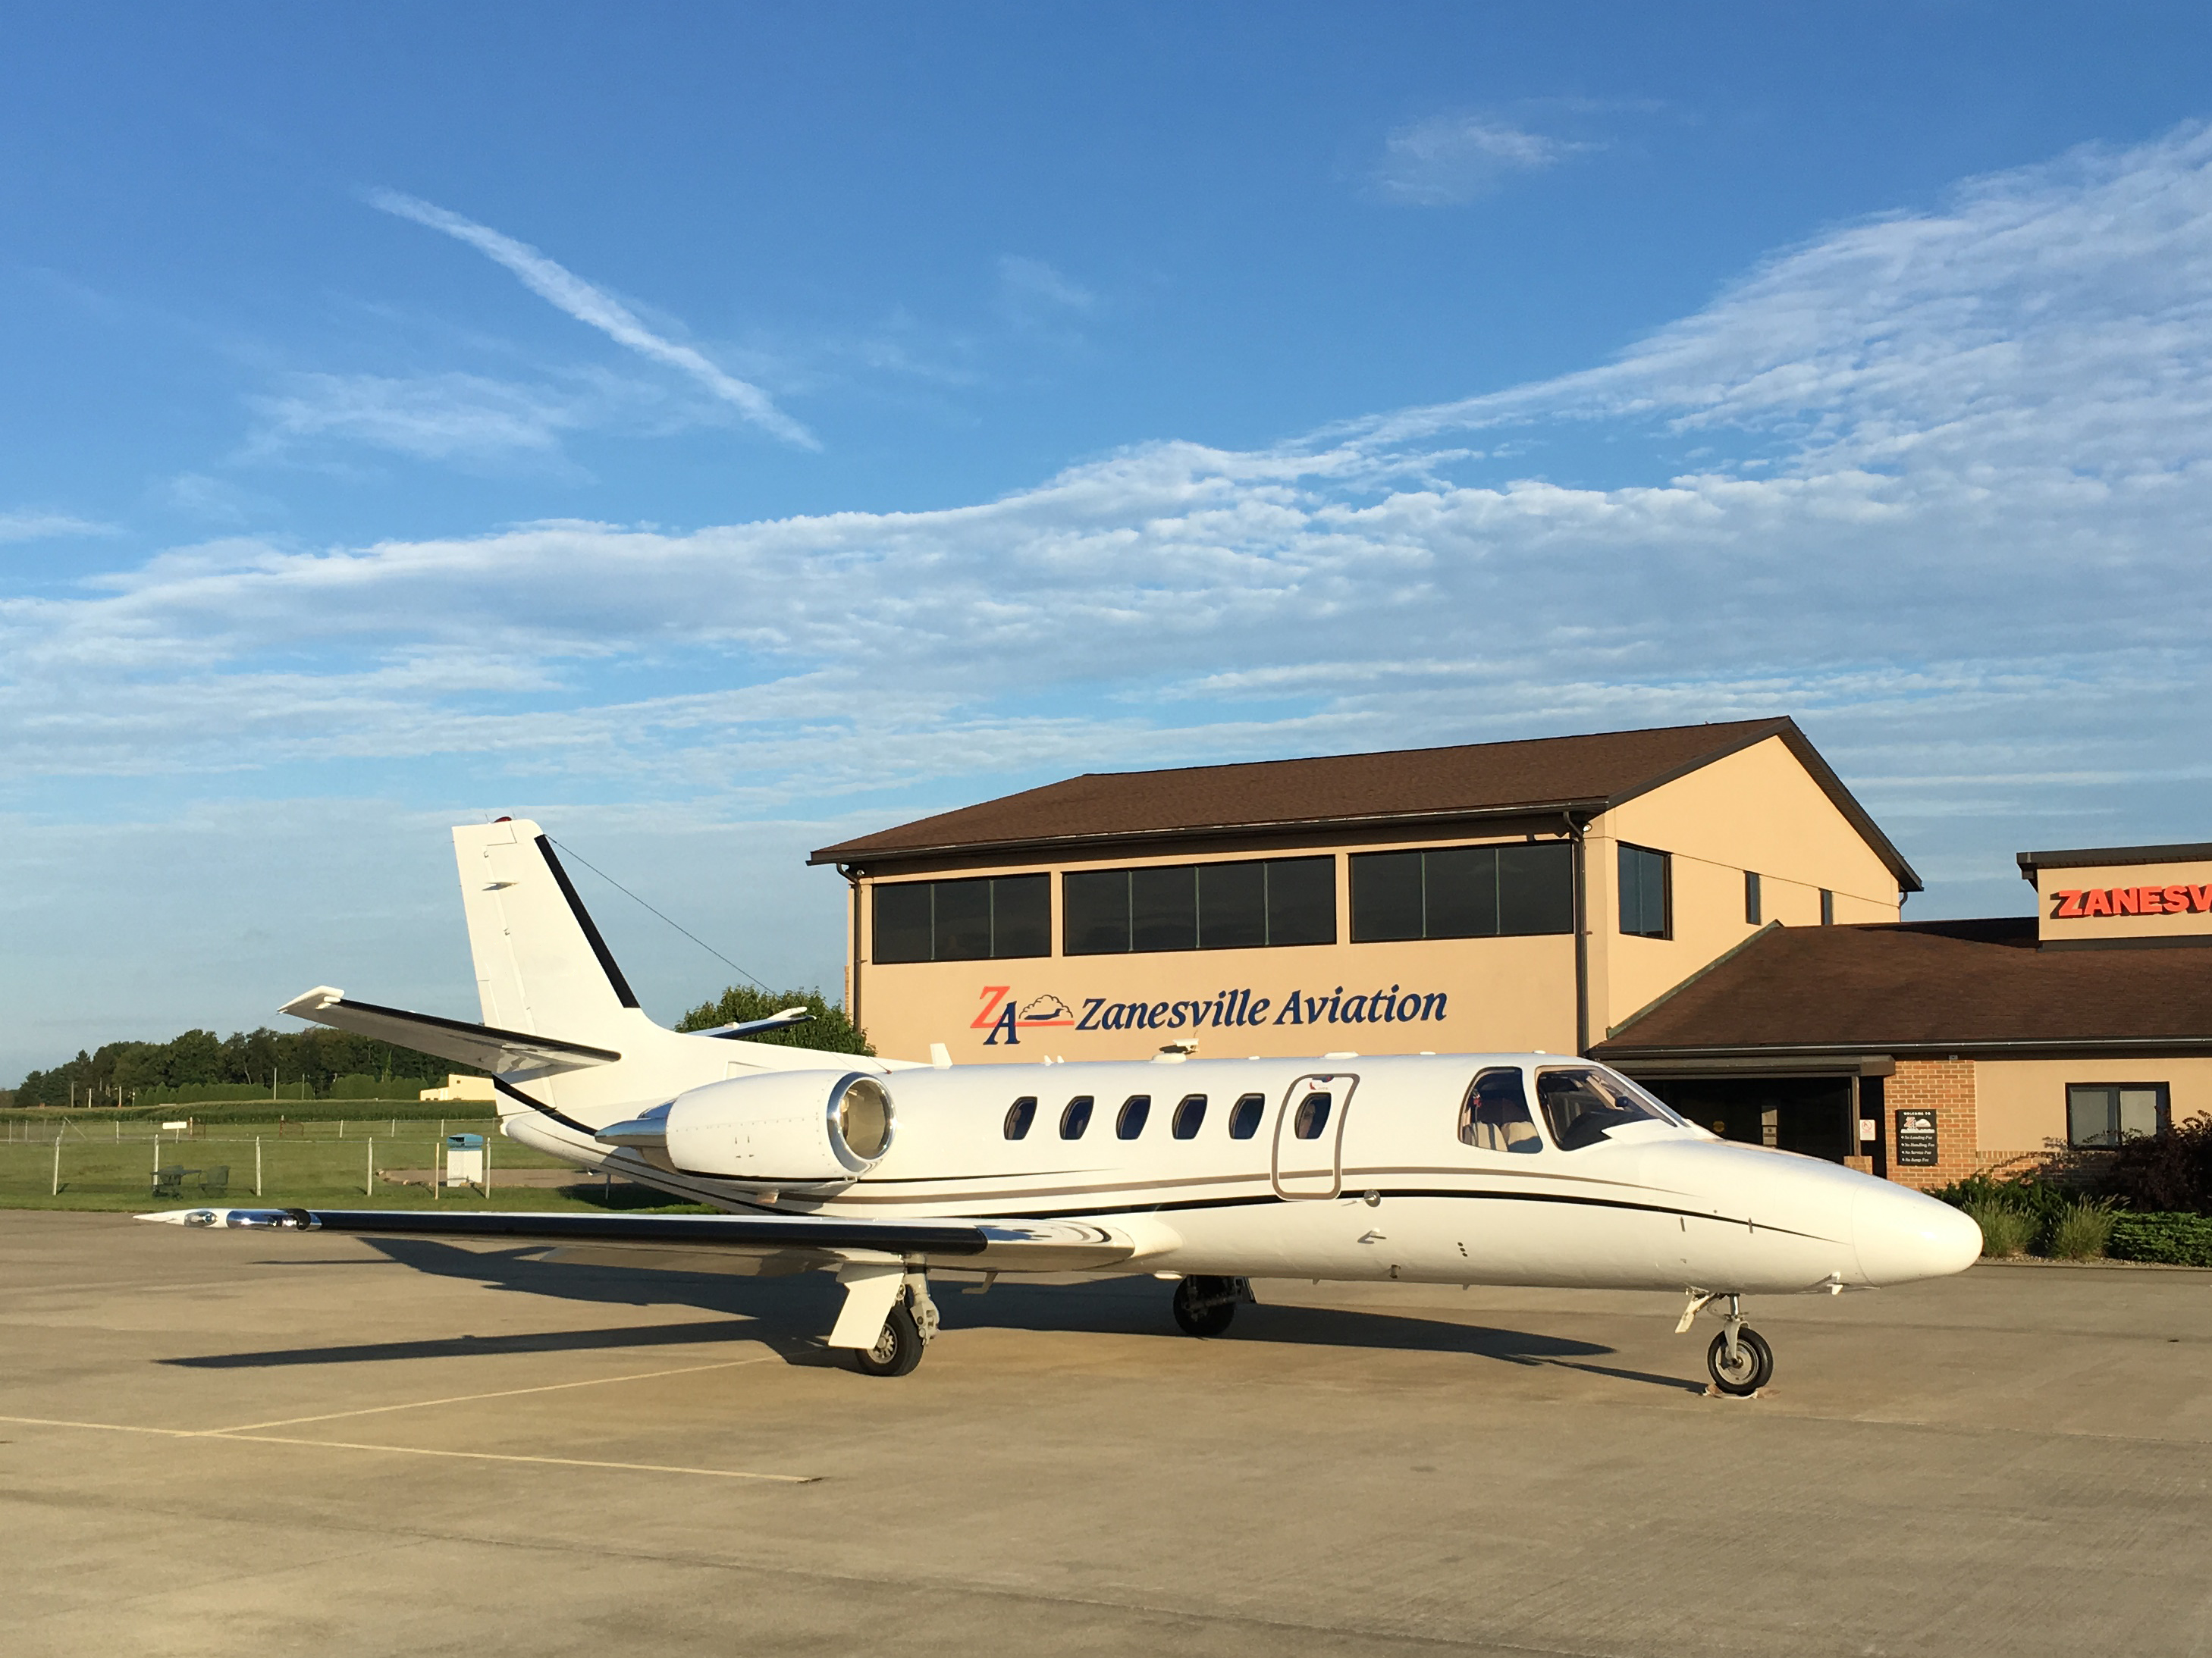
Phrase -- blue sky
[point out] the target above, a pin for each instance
(718, 430)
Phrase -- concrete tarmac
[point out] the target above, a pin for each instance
(228, 1443)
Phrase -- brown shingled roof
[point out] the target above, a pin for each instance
(1927, 986)
(1583, 773)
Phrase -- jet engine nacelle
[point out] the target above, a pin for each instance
(786, 1129)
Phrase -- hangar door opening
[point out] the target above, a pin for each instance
(1815, 1115)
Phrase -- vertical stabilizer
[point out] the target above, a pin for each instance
(542, 967)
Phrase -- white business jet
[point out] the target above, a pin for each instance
(1494, 1169)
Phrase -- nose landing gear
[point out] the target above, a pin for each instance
(1739, 1361)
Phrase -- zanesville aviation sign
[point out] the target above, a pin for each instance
(2073, 905)
(1005, 1017)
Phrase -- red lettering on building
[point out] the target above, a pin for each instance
(2069, 905)
(992, 995)
(2097, 903)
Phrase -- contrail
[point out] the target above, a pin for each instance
(587, 304)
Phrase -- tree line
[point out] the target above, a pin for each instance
(320, 1056)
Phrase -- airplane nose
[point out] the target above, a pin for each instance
(1901, 1235)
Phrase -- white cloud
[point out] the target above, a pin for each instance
(598, 309)
(48, 526)
(1447, 159)
(450, 417)
(1028, 282)
(1963, 539)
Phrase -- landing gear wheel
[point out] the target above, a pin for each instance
(1204, 1306)
(897, 1350)
(1752, 1368)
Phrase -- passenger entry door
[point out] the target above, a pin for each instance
(1308, 1147)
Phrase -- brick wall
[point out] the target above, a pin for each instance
(1946, 1088)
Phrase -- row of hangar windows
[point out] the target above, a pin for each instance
(1579, 1105)
(1444, 892)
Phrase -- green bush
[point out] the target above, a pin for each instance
(2178, 1240)
(2005, 1231)
(2081, 1231)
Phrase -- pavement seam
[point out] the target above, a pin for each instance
(502, 1393)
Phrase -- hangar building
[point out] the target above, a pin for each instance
(1705, 907)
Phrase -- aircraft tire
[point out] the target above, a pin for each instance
(1204, 1306)
(897, 1350)
(1755, 1365)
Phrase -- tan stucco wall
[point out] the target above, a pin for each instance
(2021, 1103)
(1498, 993)
(2048, 882)
(1757, 809)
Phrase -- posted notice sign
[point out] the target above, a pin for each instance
(1915, 1138)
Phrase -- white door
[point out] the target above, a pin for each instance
(1309, 1155)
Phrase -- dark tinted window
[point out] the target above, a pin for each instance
(1244, 1116)
(962, 932)
(1231, 906)
(1460, 890)
(1312, 1116)
(1463, 892)
(1164, 908)
(1134, 1110)
(1301, 900)
(1020, 1115)
(1095, 904)
(1021, 915)
(974, 920)
(1386, 897)
(903, 922)
(1643, 876)
(1189, 1117)
(1753, 907)
(1536, 889)
(1494, 1116)
(1076, 1118)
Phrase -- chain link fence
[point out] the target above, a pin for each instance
(87, 1162)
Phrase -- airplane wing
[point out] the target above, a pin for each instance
(480, 1045)
(1043, 1246)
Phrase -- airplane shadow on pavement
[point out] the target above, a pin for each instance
(790, 1315)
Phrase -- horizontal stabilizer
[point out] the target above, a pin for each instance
(482, 1046)
(745, 1027)
(1045, 1246)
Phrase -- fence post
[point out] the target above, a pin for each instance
(57, 1164)
(368, 1181)
(257, 1165)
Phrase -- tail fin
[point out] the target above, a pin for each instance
(542, 967)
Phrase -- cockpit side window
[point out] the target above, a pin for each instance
(1494, 1116)
(1584, 1104)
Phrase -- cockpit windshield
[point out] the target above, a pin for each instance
(1584, 1104)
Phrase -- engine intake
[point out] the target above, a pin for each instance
(784, 1129)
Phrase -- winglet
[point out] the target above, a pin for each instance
(308, 1003)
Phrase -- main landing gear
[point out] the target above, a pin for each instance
(1204, 1306)
(1739, 1361)
(907, 1330)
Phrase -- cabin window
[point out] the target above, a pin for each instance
(2105, 1114)
(1134, 1110)
(1249, 905)
(1463, 892)
(1754, 909)
(1646, 893)
(1076, 1118)
(1019, 1115)
(1312, 1116)
(1244, 1116)
(1189, 1117)
(1494, 1116)
(998, 916)
(1584, 1104)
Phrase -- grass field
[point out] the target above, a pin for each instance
(109, 1163)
